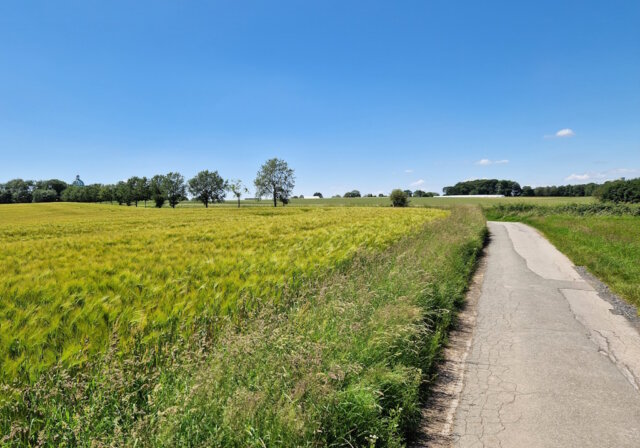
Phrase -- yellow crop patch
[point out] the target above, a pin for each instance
(73, 274)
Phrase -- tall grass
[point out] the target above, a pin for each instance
(524, 209)
(339, 361)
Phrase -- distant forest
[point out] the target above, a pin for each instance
(512, 188)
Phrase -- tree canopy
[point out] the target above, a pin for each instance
(208, 187)
(276, 180)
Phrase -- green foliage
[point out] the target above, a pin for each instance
(399, 198)
(20, 190)
(138, 189)
(44, 196)
(484, 186)
(620, 191)
(157, 191)
(123, 193)
(525, 209)
(566, 190)
(56, 185)
(90, 193)
(318, 195)
(237, 188)
(352, 194)
(174, 188)
(5, 195)
(208, 187)
(340, 359)
(275, 179)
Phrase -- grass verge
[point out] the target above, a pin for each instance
(342, 362)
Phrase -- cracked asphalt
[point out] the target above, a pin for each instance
(551, 363)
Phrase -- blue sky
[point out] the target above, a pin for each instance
(353, 94)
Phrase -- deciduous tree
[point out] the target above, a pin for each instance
(275, 179)
(208, 187)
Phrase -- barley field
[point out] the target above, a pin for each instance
(74, 275)
(225, 328)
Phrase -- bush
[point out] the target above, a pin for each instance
(399, 198)
(44, 196)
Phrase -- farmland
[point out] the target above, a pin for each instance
(75, 273)
(414, 202)
(225, 327)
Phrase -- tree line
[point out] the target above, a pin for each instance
(621, 190)
(274, 179)
(512, 188)
(408, 193)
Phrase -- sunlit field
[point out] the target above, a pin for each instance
(414, 202)
(254, 327)
(73, 274)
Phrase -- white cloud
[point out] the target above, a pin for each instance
(486, 162)
(585, 176)
(600, 176)
(408, 171)
(566, 132)
(417, 183)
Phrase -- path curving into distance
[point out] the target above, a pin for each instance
(551, 363)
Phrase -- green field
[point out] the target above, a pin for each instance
(607, 245)
(415, 202)
(297, 326)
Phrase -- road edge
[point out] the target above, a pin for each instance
(438, 412)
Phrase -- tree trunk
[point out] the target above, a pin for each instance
(275, 199)
(238, 201)
(206, 205)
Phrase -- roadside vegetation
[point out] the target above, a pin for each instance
(338, 359)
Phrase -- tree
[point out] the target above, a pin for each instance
(399, 198)
(237, 188)
(275, 179)
(408, 193)
(207, 187)
(5, 195)
(56, 185)
(123, 193)
(139, 187)
(174, 188)
(20, 190)
(107, 193)
(527, 191)
(352, 194)
(42, 195)
(620, 191)
(419, 194)
(318, 195)
(156, 190)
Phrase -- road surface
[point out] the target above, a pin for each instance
(550, 362)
